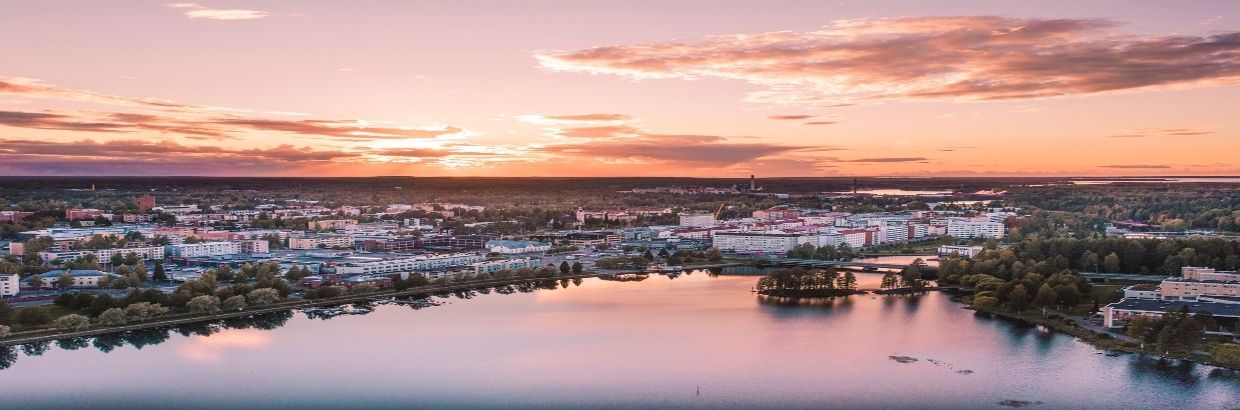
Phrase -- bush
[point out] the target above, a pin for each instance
(204, 304)
(140, 311)
(234, 303)
(363, 288)
(72, 321)
(32, 317)
(265, 296)
(324, 292)
(4, 331)
(112, 317)
(985, 303)
(1227, 354)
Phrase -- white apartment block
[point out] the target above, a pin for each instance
(964, 251)
(857, 238)
(959, 228)
(697, 220)
(918, 231)
(320, 241)
(10, 284)
(893, 233)
(193, 250)
(333, 224)
(104, 256)
(505, 264)
(831, 239)
(255, 246)
(760, 241)
(410, 264)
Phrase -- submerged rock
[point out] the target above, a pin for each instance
(1018, 403)
(965, 371)
(903, 359)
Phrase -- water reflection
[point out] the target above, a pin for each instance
(247, 332)
(660, 338)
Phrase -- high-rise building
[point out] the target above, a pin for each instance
(145, 203)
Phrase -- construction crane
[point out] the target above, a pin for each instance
(720, 211)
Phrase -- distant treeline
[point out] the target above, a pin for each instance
(1143, 256)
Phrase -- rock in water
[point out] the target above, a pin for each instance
(903, 359)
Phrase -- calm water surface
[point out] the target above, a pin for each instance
(614, 344)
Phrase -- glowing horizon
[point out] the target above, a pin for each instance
(551, 88)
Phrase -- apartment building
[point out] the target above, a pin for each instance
(965, 228)
(505, 264)
(320, 241)
(104, 256)
(764, 242)
(408, 264)
(10, 285)
(333, 224)
(697, 220)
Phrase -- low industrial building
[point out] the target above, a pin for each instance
(515, 247)
(82, 278)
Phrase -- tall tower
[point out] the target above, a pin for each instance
(753, 185)
(145, 203)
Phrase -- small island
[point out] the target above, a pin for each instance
(803, 283)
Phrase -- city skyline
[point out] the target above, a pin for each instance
(712, 89)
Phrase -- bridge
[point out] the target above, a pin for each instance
(816, 263)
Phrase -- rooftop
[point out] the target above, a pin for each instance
(1154, 305)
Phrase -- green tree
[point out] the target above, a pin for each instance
(713, 254)
(1018, 299)
(160, 275)
(565, 268)
(577, 267)
(1046, 296)
(6, 313)
(64, 281)
(890, 280)
(847, 282)
(1111, 263)
(1067, 295)
(36, 281)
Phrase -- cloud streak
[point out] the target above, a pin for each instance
(927, 58)
(615, 138)
(1162, 132)
(198, 11)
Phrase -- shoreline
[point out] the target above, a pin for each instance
(35, 336)
(1107, 342)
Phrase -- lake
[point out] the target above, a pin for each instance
(692, 341)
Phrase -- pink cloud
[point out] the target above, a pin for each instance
(927, 58)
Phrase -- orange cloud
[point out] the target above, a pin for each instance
(927, 58)
(623, 142)
(790, 117)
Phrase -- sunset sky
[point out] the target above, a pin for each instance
(633, 88)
